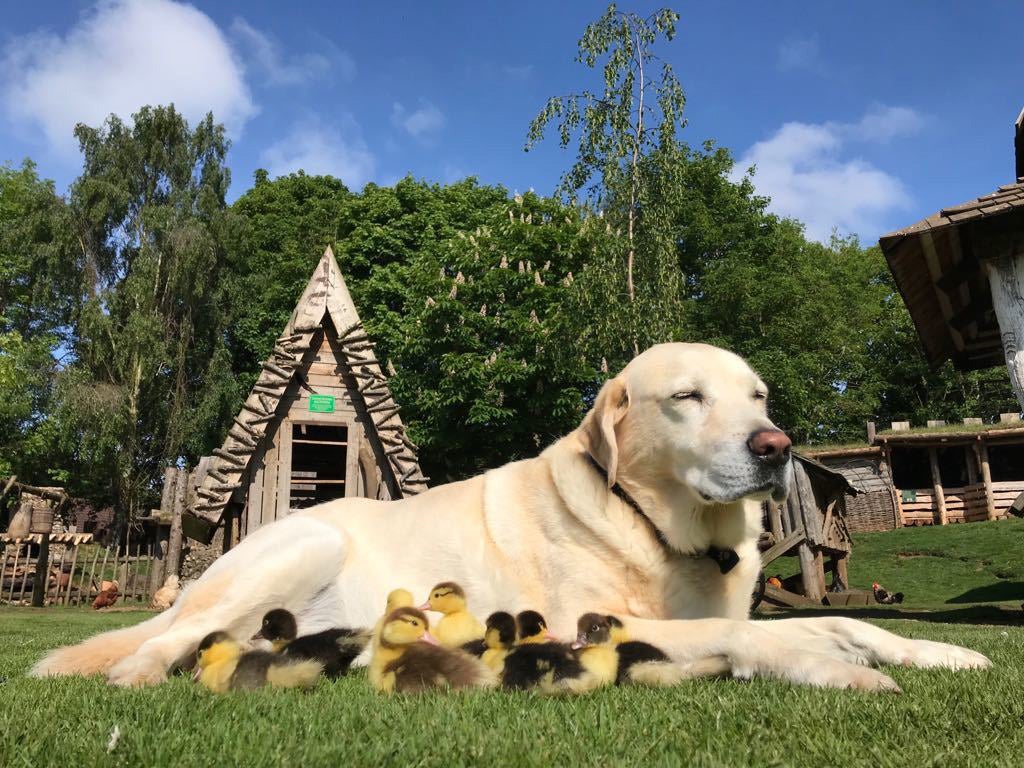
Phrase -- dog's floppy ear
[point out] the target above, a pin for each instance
(599, 426)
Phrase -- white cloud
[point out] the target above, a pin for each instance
(121, 55)
(798, 53)
(265, 54)
(804, 169)
(316, 148)
(424, 123)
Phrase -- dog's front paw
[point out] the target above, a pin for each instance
(928, 654)
(137, 671)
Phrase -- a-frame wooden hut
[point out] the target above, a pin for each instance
(319, 424)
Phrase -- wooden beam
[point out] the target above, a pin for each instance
(173, 563)
(986, 478)
(781, 547)
(940, 497)
(812, 570)
(1005, 279)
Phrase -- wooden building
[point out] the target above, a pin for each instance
(319, 424)
(961, 273)
(811, 525)
(931, 477)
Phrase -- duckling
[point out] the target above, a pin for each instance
(408, 659)
(335, 649)
(397, 598)
(222, 665)
(639, 662)
(499, 637)
(537, 663)
(457, 626)
(531, 628)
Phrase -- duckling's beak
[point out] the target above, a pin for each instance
(550, 637)
(429, 639)
(197, 673)
(425, 606)
(581, 642)
(259, 635)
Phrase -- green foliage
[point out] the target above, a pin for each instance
(623, 133)
(151, 217)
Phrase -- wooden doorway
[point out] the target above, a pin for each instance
(322, 462)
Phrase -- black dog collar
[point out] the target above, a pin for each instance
(725, 559)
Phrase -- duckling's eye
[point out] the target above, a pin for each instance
(595, 628)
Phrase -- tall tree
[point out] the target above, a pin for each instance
(151, 215)
(38, 293)
(621, 132)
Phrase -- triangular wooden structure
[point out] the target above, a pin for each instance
(323, 376)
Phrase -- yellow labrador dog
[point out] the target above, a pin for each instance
(650, 510)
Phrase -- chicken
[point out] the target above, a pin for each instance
(884, 597)
(107, 597)
(167, 594)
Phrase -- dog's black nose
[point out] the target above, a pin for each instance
(772, 446)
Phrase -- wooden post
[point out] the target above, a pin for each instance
(971, 457)
(986, 478)
(775, 521)
(812, 569)
(940, 497)
(173, 564)
(40, 580)
(871, 432)
(1005, 280)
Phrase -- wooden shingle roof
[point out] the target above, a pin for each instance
(937, 265)
(326, 299)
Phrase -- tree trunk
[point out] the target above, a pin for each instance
(1006, 278)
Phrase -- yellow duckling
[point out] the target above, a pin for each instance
(222, 666)
(458, 626)
(397, 598)
(408, 659)
(499, 637)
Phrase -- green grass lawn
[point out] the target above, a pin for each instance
(942, 718)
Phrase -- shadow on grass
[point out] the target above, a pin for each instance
(1000, 592)
(974, 614)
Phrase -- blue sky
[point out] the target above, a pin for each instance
(861, 116)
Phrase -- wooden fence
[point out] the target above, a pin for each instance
(77, 567)
(963, 505)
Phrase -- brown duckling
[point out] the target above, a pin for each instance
(335, 648)
(408, 659)
(223, 665)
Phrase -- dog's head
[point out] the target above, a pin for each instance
(691, 414)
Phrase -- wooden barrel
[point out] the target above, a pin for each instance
(42, 517)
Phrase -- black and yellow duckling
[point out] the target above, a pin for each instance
(223, 665)
(335, 649)
(539, 662)
(457, 625)
(499, 637)
(531, 628)
(639, 662)
(397, 598)
(407, 658)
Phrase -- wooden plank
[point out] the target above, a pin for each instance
(812, 569)
(785, 597)
(268, 510)
(172, 566)
(781, 547)
(1006, 278)
(42, 577)
(809, 512)
(937, 492)
(775, 520)
(284, 469)
(355, 437)
(986, 479)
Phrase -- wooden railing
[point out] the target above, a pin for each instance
(963, 505)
